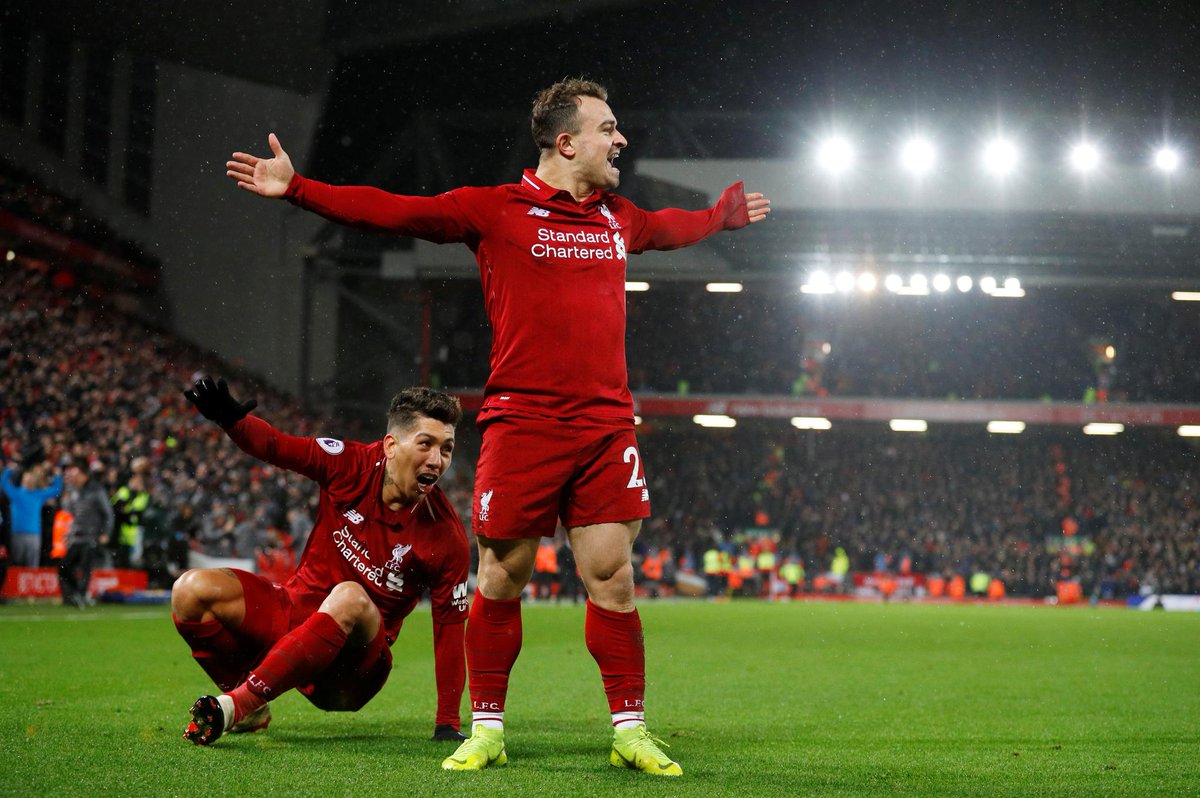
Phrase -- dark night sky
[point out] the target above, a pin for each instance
(1080, 59)
(1133, 58)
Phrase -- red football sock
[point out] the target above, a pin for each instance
(614, 640)
(296, 659)
(215, 649)
(493, 640)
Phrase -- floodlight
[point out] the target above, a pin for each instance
(917, 156)
(1000, 157)
(1011, 289)
(893, 282)
(1167, 159)
(835, 155)
(919, 281)
(803, 422)
(844, 282)
(1103, 428)
(866, 282)
(715, 420)
(941, 283)
(636, 285)
(908, 425)
(1186, 431)
(1006, 427)
(723, 288)
(987, 284)
(1186, 296)
(1085, 157)
(964, 283)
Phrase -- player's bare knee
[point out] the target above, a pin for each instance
(193, 594)
(349, 605)
(611, 589)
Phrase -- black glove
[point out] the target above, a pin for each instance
(213, 401)
(444, 733)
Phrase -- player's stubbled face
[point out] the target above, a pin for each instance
(418, 456)
(598, 143)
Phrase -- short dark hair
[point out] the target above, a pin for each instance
(413, 402)
(556, 109)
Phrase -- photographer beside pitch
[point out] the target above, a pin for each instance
(384, 532)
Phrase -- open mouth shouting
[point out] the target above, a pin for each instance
(425, 481)
(614, 155)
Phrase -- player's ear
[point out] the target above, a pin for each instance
(565, 144)
(389, 445)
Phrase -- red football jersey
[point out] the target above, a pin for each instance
(552, 271)
(394, 555)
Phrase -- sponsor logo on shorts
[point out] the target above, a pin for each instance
(485, 502)
(331, 445)
(645, 494)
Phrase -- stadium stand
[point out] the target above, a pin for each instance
(767, 340)
(86, 382)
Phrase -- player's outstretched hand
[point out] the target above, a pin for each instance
(213, 401)
(266, 177)
(446, 733)
(757, 206)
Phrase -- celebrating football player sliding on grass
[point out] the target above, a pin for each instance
(384, 533)
(557, 417)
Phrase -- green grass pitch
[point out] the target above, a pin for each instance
(754, 699)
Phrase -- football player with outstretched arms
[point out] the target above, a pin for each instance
(384, 533)
(557, 417)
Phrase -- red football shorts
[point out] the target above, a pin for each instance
(536, 470)
(354, 676)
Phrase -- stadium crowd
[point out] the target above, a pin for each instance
(1118, 516)
(85, 384)
(92, 386)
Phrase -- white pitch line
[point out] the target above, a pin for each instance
(86, 616)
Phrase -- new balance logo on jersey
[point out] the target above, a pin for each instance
(354, 516)
(542, 212)
(485, 501)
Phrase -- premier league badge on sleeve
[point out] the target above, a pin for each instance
(331, 445)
